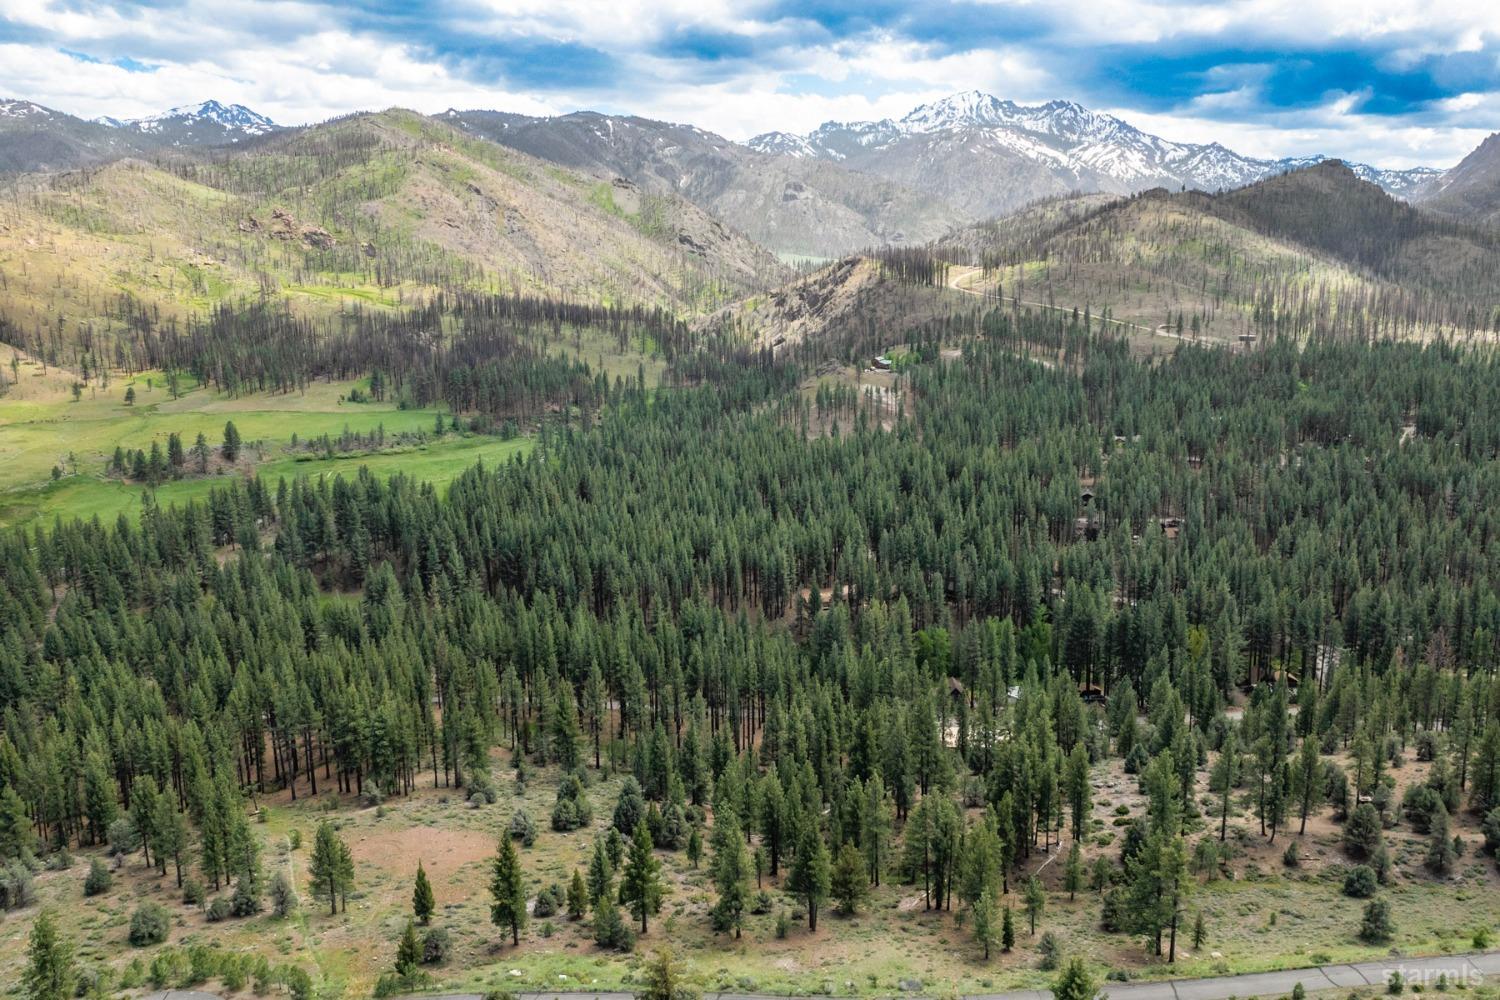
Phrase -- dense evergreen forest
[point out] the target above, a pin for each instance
(869, 651)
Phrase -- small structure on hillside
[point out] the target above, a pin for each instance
(881, 363)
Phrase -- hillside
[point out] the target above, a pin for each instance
(1470, 192)
(1312, 250)
(794, 205)
(371, 211)
(36, 138)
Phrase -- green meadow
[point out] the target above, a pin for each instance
(42, 427)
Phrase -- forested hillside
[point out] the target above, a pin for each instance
(750, 654)
(363, 216)
(1310, 252)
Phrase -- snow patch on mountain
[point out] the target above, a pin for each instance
(210, 119)
(1086, 148)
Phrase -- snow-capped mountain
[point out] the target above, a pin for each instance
(987, 156)
(24, 110)
(209, 123)
(33, 137)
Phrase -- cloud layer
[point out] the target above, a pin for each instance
(1382, 81)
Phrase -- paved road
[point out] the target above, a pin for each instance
(1469, 969)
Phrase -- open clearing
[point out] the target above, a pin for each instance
(42, 426)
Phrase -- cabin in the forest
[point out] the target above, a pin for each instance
(881, 363)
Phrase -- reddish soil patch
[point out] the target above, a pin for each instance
(443, 852)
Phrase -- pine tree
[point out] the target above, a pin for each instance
(1073, 870)
(811, 877)
(1007, 930)
(1075, 983)
(408, 951)
(16, 839)
(326, 866)
(231, 448)
(848, 884)
(1200, 931)
(601, 873)
(422, 901)
(666, 979)
(508, 890)
(985, 931)
(578, 897)
(1036, 902)
(640, 883)
(731, 873)
(1440, 853)
(171, 833)
(50, 974)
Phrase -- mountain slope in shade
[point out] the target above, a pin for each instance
(207, 124)
(33, 137)
(1469, 192)
(987, 156)
(795, 205)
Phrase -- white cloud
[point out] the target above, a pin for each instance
(303, 60)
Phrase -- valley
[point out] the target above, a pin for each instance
(993, 551)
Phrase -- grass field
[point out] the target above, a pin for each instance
(42, 427)
(1262, 917)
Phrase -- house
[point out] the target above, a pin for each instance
(882, 363)
(955, 689)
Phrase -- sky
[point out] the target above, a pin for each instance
(1395, 84)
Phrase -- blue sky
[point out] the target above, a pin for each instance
(1392, 83)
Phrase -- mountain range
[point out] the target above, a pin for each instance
(986, 156)
(35, 138)
(207, 124)
(843, 187)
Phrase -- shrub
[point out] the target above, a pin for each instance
(1290, 857)
(523, 827)
(1362, 832)
(1360, 882)
(572, 811)
(630, 809)
(1491, 828)
(16, 889)
(436, 944)
(283, 896)
(123, 837)
(1418, 804)
(192, 892)
(783, 925)
(149, 925)
(218, 910)
(548, 901)
(1376, 927)
(98, 880)
(1050, 950)
(245, 900)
